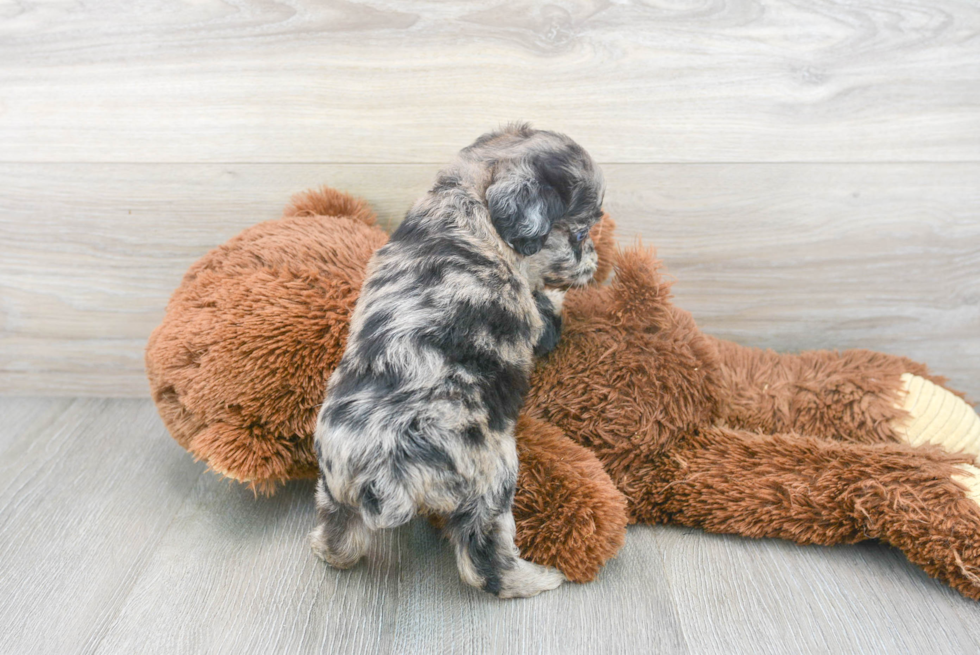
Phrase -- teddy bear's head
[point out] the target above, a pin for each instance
(238, 366)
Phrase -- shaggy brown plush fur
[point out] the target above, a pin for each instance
(238, 366)
(567, 511)
(636, 414)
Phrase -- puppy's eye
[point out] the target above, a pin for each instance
(578, 236)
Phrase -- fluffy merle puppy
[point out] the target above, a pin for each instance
(419, 415)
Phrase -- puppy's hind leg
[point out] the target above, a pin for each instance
(488, 558)
(340, 537)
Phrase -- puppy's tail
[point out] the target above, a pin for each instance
(327, 201)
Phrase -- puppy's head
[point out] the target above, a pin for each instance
(544, 195)
(568, 257)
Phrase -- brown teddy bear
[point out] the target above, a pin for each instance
(636, 417)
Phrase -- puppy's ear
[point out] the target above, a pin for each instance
(523, 207)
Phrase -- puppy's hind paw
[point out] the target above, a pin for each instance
(340, 558)
(527, 579)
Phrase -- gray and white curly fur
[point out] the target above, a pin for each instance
(419, 415)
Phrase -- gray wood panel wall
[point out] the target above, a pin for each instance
(809, 171)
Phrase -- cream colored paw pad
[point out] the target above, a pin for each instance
(969, 478)
(937, 417)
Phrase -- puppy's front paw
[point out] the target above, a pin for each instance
(557, 298)
(527, 579)
(551, 315)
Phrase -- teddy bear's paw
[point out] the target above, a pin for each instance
(969, 477)
(938, 417)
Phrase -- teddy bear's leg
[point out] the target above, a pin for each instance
(853, 395)
(922, 500)
(569, 513)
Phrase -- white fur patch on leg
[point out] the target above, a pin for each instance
(937, 417)
(527, 579)
(466, 569)
(557, 298)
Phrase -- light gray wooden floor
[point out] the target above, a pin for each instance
(113, 540)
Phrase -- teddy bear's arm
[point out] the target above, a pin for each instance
(569, 513)
(853, 395)
(808, 490)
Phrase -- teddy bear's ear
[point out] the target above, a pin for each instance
(639, 292)
(326, 201)
(603, 236)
